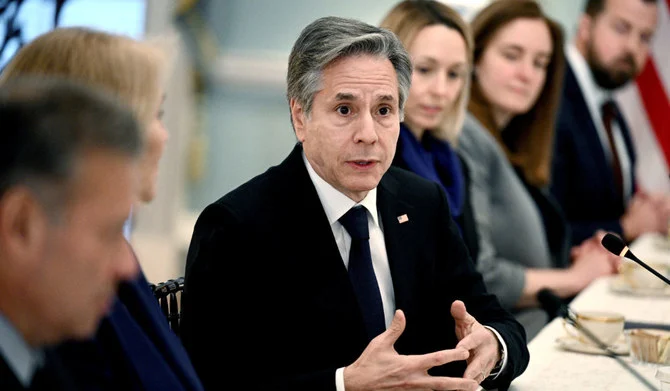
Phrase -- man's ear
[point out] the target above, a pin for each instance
(298, 117)
(584, 26)
(23, 223)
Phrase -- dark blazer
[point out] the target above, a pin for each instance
(8, 380)
(582, 179)
(466, 220)
(265, 285)
(134, 348)
(557, 229)
(57, 377)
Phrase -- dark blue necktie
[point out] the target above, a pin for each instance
(361, 273)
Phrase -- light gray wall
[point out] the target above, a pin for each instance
(566, 12)
(247, 125)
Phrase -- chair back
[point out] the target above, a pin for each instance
(168, 294)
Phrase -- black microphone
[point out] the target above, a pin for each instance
(616, 246)
(555, 305)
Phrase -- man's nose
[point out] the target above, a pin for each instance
(366, 131)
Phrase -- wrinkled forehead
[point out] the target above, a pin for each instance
(637, 13)
(359, 77)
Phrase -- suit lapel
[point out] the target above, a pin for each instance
(305, 210)
(588, 134)
(398, 236)
(305, 207)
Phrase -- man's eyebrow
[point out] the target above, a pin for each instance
(386, 98)
(345, 96)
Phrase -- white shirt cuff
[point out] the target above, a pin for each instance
(503, 357)
(339, 379)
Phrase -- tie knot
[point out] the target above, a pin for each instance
(355, 221)
(609, 109)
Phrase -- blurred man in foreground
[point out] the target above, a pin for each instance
(67, 183)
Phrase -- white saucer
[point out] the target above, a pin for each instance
(574, 345)
(619, 285)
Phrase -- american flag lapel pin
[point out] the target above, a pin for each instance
(403, 219)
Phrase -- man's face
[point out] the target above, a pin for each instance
(617, 41)
(351, 134)
(83, 255)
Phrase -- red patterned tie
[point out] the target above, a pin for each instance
(609, 114)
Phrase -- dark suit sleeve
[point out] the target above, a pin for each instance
(230, 313)
(210, 314)
(470, 288)
(562, 156)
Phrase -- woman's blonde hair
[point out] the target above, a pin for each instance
(530, 135)
(406, 19)
(135, 71)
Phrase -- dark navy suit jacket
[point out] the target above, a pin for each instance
(134, 349)
(265, 256)
(582, 178)
(58, 378)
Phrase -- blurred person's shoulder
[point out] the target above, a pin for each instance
(474, 140)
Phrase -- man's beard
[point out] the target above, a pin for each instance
(610, 79)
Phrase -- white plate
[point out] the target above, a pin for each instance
(619, 285)
(574, 345)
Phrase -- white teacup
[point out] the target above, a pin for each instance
(638, 277)
(604, 325)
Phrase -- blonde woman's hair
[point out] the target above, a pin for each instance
(134, 71)
(409, 17)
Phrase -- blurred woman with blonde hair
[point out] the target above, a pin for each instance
(134, 347)
(440, 45)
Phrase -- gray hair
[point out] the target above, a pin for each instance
(48, 123)
(331, 38)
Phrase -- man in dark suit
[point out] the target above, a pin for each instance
(333, 271)
(593, 174)
(67, 176)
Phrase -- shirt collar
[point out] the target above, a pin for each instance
(593, 93)
(21, 357)
(336, 204)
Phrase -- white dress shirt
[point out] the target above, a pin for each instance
(595, 96)
(336, 204)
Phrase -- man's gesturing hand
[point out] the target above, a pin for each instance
(380, 367)
(476, 339)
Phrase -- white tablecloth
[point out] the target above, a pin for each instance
(552, 368)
